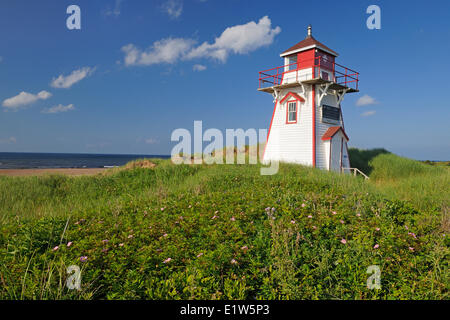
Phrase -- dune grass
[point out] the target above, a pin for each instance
(226, 232)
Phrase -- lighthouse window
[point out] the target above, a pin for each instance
(330, 114)
(292, 112)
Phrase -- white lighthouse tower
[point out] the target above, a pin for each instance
(307, 125)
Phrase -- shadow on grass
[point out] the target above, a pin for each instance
(361, 158)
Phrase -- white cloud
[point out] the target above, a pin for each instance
(239, 39)
(164, 51)
(173, 8)
(368, 113)
(365, 100)
(199, 67)
(114, 11)
(59, 108)
(24, 98)
(9, 140)
(68, 81)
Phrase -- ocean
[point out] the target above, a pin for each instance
(19, 160)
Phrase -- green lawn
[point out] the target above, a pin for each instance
(226, 232)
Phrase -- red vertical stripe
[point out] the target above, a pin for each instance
(314, 124)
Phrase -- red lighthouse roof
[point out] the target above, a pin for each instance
(308, 43)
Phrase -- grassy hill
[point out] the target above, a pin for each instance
(226, 232)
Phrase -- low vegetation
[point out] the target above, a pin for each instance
(155, 230)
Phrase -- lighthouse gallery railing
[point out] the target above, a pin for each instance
(342, 75)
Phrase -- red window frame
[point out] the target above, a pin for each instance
(287, 111)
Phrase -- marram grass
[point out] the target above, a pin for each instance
(226, 232)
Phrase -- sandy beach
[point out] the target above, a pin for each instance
(40, 172)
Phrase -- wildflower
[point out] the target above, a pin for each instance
(245, 248)
(167, 260)
(130, 236)
(343, 241)
(162, 209)
(334, 212)
(69, 243)
(55, 248)
(233, 219)
(412, 234)
(293, 221)
(120, 244)
(358, 214)
(376, 246)
(273, 209)
(83, 258)
(101, 221)
(267, 209)
(377, 229)
(233, 261)
(200, 254)
(216, 212)
(165, 235)
(341, 221)
(411, 248)
(406, 227)
(303, 205)
(189, 206)
(214, 217)
(314, 227)
(105, 241)
(310, 216)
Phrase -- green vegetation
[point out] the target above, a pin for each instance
(226, 232)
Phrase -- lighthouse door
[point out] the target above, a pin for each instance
(336, 153)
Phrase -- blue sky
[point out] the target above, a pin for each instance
(126, 80)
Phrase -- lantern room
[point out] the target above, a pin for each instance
(309, 61)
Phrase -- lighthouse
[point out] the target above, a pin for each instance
(307, 125)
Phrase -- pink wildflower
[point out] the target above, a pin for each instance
(162, 209)
(303, 205)
(411, 248)
(310, 216)
(167, 260)
(69, 243)
(120, 244)
(233, 219)
(343, 241)
(293, 221)
(83, 258)
(55, 248)
(377, 229)
(334, 212)
(376, 246)
(130, 236)
(358, 214)
(341, 221)
(200, 254)
(233, 261)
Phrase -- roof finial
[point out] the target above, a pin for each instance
(309, 31)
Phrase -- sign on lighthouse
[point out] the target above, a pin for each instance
(307, 126)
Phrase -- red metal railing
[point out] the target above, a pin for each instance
(340, 74)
